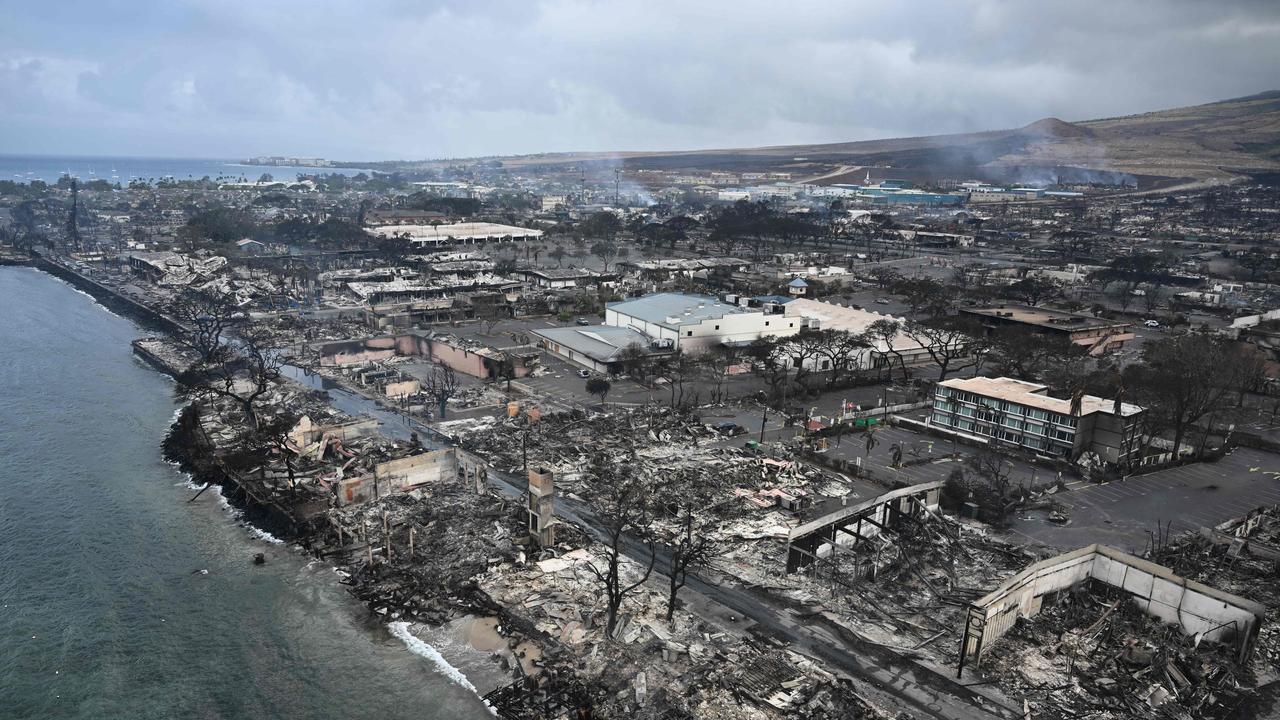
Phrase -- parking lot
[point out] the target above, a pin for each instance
(1190, 497)
(925, 458)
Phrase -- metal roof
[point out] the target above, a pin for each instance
(676, 309)
(599, 342)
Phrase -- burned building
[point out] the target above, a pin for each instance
(1097, 335)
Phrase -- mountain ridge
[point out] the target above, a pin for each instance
(1219, 141)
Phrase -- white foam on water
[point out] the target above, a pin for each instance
(76, 288)
(237, 514)
(263, 535)
(416, 646)
(91, 297)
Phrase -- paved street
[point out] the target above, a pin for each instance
(1192, 496)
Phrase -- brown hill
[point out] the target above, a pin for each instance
(1056, 129)
(1214, 142)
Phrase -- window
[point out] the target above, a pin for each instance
(766, 323)
(717, 327)
(689, 333)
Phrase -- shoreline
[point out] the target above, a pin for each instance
(264, 521)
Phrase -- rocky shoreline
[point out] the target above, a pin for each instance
(190, 449)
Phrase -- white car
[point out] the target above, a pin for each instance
(1152, 323)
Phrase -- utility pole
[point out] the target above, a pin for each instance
(617, 196)
(73, 226)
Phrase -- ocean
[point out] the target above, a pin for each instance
(120, 599)
(25, 168)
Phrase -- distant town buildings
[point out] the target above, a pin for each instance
(285, 161)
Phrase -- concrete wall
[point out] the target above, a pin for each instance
(306, 432)
(1248, 321)
(404, 388)
(1195, 608)
(461, 360)
(356, 352)
(447, 465)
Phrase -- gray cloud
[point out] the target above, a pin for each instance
(402, 79)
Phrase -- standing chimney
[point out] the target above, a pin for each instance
(542, 507)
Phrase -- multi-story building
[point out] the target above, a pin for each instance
(1020, 414)
(1098, 335)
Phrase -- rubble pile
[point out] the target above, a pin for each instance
(659, 439)
(1249, 569)
(414, 556)
(925, 575)
(651, 667)
(294, 329)
(1093, 653)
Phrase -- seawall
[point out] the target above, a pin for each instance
(187, 445)
(109, 297)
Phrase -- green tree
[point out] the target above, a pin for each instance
(599, 387)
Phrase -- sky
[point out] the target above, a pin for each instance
(402, 79)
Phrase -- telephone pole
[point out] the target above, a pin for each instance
(73, 226)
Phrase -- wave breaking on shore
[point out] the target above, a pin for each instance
(425, 650)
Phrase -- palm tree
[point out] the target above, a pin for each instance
(872, 440)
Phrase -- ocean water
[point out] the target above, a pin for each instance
(25, 168)
(105, 611)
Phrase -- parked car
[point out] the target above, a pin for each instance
(1152, 323)
(584, 373)
(582, 321)
(882, 301)
(729, 429)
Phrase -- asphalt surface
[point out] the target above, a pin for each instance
(925, 458)
(1126, 513)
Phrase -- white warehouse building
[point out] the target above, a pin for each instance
(696, 323)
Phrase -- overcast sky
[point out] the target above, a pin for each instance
(388, 79)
